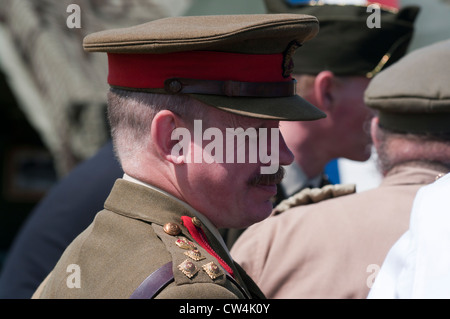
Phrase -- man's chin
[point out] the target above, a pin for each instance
(269, 190)
(257, 215)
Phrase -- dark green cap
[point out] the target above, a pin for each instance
(345, 44)
(413, 95)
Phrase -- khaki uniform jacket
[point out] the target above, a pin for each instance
(334, 248)
(126, 242)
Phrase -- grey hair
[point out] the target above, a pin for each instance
(396, 148)
(130, 114)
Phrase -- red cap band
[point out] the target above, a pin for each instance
(151, 70)
(392, 4)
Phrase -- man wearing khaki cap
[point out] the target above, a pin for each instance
(179, 88)
(332, 72)
(417, 266)
(334, 248)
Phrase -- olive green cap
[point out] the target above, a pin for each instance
(185, 41)
(345, 44)
(413, 95)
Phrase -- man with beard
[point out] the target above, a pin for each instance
(332, 72)
(334, 248)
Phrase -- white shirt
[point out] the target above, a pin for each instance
(295, 180)
(418, 265)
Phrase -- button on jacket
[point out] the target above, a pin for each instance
(132, 237)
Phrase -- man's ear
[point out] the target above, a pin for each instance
(323, 90)
(374, 131)
(164, 127)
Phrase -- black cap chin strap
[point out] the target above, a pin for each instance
(230, 88)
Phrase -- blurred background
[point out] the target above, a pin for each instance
(52, 94)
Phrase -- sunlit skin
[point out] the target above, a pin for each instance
(344, 133)
(230, 195)
(226, 192)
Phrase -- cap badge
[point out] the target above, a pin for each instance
(288, 62)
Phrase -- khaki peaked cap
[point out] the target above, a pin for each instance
(413, 95)
(257, 34)
(238, 36)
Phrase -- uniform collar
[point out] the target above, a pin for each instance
(295, 180)
(412, 173)
(205, 221)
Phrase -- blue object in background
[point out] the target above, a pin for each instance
(332, 171)
(295, 2)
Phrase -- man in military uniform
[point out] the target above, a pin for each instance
(334, 248)
(332, 72)
(417, 266)
(157, 236)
